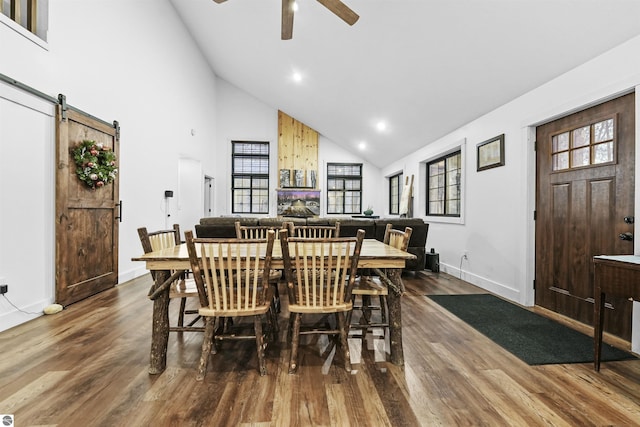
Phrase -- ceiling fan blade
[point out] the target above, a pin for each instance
(219, 1)
(287, 19)
(341, 10)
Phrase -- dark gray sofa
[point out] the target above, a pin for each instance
(374, 229)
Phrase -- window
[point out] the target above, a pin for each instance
(443, 189)
(250, 177)
(344, 188)
(584, 146)
(395, 191)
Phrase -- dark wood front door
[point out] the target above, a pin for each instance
(86, 221)
(585, 189)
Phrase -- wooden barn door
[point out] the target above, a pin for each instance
(86, 219)
(585, 200)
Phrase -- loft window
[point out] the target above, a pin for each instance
(344, 188)
(30, 14)
(443, 185)
(250, 177)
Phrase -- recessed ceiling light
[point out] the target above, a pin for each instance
(297, 77)
(381, 126)
(362, 145)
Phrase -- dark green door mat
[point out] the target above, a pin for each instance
(531, 337)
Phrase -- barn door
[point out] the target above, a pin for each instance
(585, 200)
(86, 218)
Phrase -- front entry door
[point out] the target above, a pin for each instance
(584, 207)
(86, 218)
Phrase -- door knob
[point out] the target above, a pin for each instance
(629, 220)
(626, 236)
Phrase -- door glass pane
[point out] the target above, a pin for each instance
(560, 161)
(560, 142)
(580, 157)
(603, 153)
(582, 136)
(603, 131)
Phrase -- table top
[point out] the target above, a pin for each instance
(374, 254)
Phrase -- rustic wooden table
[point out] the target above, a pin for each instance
(374, 255)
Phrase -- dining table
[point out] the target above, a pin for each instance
(385, 261)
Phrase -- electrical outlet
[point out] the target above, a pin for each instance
(4, 289)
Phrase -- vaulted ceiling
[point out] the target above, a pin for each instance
(424, 67)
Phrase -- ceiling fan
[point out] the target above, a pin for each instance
(336, 6)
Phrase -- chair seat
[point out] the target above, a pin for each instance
(261, 309)
(295, 308)
(369, 285)
(184, 288)
(241, 311)
(233, 312)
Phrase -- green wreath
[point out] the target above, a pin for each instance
(96, 164)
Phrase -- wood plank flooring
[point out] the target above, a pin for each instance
(87, 366)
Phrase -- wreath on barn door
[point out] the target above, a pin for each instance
(96, 164)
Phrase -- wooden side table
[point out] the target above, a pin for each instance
(617, 275)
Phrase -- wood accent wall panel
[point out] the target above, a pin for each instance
(297, 145)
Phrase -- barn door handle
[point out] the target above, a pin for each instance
(119, 205)
(626, 236)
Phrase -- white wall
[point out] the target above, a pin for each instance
(497, 228)
(26, 200)
(125, 60)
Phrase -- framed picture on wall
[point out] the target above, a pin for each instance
(491, 153)
(298, 203)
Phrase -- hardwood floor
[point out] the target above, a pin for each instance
(87, 366)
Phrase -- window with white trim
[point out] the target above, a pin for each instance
(444, 185)
(250, 177)
(344, 188)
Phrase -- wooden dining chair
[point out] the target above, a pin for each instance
(319, 274)
(260, 232)
(231, 282)
(315, 231)
(367, 286)
(183, 287)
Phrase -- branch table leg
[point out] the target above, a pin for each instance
(395, 317)
(160, 327)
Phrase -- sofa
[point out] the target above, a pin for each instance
(224, 227)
